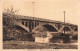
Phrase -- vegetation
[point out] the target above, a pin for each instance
(11, 31)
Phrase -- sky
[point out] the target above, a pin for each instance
(47, 9)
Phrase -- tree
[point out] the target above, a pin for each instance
(10, 16)
(11, 11)
(9, 19)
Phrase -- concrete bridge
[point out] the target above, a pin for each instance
(32, 24)
(45, 28)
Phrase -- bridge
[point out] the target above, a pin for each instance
(45, 26)
(32, 24)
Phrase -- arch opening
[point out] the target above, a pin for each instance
(20, 28)
(67, 29)
(46, 27)
(75, 29)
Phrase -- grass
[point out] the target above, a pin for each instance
(34, 45)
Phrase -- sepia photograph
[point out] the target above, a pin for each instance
(39, 24)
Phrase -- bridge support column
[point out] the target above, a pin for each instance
(25, 23)
(34, 24)
(30, 26)
(37, 24)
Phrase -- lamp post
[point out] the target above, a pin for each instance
(64, 21)
(33, 8)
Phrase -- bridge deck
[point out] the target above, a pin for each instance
(38, 19)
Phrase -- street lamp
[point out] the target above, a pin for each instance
(33, 8)
(64, 21)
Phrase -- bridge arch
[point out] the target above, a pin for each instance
(45, 27)
(75, 29)
(22, 26)
(67, 28)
